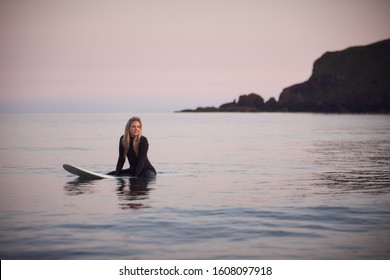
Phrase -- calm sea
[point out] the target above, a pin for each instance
(230, 186)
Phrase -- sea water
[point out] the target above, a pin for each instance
(229, 186)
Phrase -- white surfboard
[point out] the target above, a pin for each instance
(85, 174)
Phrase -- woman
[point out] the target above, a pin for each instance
(134, 146)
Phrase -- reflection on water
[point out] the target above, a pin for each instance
(351, 165)
(373, 182)
(130, 190)
(133, 190)
(78, 186)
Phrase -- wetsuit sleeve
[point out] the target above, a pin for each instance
(121, 158)
(142, 156)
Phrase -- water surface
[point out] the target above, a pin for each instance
(230, 186)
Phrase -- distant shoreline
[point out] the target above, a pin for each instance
(354, 80)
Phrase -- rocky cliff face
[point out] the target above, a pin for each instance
(353, 80)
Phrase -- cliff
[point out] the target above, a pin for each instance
(354, 80)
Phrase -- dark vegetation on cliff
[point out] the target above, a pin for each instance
(355, 80)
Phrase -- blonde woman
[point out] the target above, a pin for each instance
(135, 147)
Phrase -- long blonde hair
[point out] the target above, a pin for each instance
(127, 135)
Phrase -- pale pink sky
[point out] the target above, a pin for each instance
(166, 55)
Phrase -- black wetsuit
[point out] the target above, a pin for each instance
(140, 165)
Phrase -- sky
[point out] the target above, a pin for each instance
(168, 55)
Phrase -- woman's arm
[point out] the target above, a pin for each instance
(142, 155)
(121, 158)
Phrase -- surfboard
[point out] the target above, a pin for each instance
(85, 174)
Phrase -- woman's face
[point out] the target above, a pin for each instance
(135, 127)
